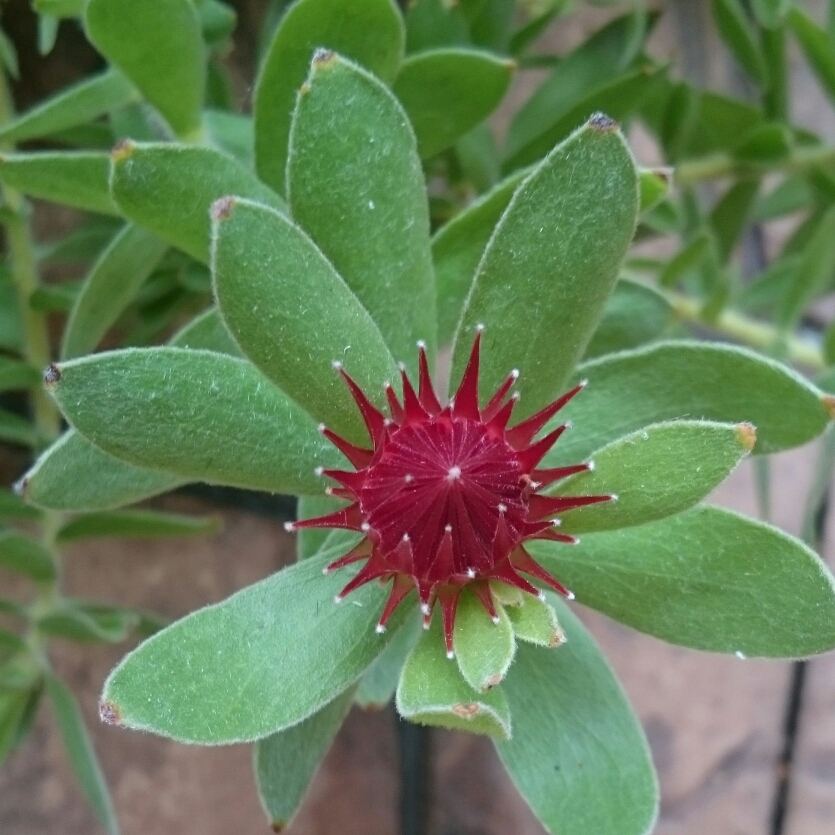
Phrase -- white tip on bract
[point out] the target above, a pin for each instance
(479, 327)
(583, 383)
(379, 629)
(365, 527)
(421, 344)
(337, 365)
(406, 537)
(740, 655)
(614, 497)
(471, 573)
(568, 424)
(426, 624)
(401, 366)
(590, 466)
(502, 508)
(319, 471)
(450, 654)
(337, 599)
(289, 527)
(576, 540)
(326, 570)
(424, 608)
(321, 427)
(541, 596)
(496, 619)
(448, 528)
(409, 478)
(515, 373)
(329, 491)
(515, 395)
(556, 522)
(570, 596)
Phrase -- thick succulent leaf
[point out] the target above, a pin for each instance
(73, 475)
(82, 757)
(136, 523)
(707, 579)
(286, 762)
(169, 189)
(378, 684)
(457, 248)
(434, 23)
(199, 415)
(24, 555)
(206, 331)
(158, 44)
(484, 648)
(73, 106)
(690, 380)
(634, 315)
(656, 472)
(355, 185)
(551, 264)
(369, 32)
(109, 288)
(535, 621)
(72, 178)
(294, 317)
(578, 754)
(447, 92)
(231, 133)
(234, 671)
(432, 691)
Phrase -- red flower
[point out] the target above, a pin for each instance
(447, 496)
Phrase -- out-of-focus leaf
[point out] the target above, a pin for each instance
(24, 555)
(730, 214)
(76, 620)
(136, 523)
(16, 374)
(17, 430)
(231, 133)
(431, 24)
(740, 37)
(816, 46)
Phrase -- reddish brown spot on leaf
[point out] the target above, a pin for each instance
(829, 404)
(109, 713)
(52, 375)
(747, 434)
(466, 710)
(122, 150)
(222, 208)
(601, 123)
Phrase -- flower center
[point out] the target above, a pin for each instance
(444, 474)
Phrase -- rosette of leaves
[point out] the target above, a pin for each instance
(345, 272)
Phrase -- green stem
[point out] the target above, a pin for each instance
(725, 165)
(748, 331)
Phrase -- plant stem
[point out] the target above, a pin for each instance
(748, 331)
(725, 165)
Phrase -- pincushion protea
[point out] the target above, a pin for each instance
(447, 496)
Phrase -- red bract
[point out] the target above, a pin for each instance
(447, 496)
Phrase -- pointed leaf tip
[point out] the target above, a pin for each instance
(52, 375)
(323, 58)
(122, 150)
(747, 434)
(601, 123)
(222, 208)
(829, 404)
(109, 713)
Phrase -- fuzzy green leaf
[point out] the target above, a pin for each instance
(634, 315)
(73, 106)
(656, 472)
(231, 672)
(578, 754)
(158, 44)
(447, 92)
(286, 762)
(355, 185)
(197, 414)
(674, 380)
(551, 264)
(73, 475)
(206, 331)
(457, 248)
(136, 523)
(432, 691)
(109, 288)
(169, 189)
(535, 621)
(24, 555)
(484, 648)
(707, 579)
(73, 178)
(294, 316)
(83, 758)
(369, 32)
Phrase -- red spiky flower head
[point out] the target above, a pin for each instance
(447, 496)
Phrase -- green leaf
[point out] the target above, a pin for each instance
(136, 523)
(11, 327)
(817, 48)
(76, 620)
(535, 621)
(73, 178)
(59, 8)
(654, 185)
(457, 248)
(634, 315)
(13, 507)
(206, 331)
(197, 414)
(578, 754)
(730, 216)
(293, 315)
(15, 374)
(82, 756)
(793, 194)
(13, 704)
(17, 430)
(551, 264)
(310, 540)
(169, 188)
(231, 133)
(109, 288)
(447, 92)
(771, 13)
(217, 20)
(25, 555)
(813, 275)
(8, 56)
(232, 672)
(433, 692)
(73, 475)
(674, 380)
(369, 32)
(483, 647)
(286, 762)
(158, 44)
(740, 37)
(73, 106)
(47, 33)
(706, 579)
(688, 258)
(355, 185)
(378, 684)
(766, 144)
(85, 243)
(656, 472)
(434, 23)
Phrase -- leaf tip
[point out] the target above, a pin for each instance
(278, 825)
(323, 58)
(122, 150)
(490, 682)
(21, 486)
(465, 710)
(222, 208)
(747, 435)
(109, 713)
(52, 375)
(828, 401)
(601, 123)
